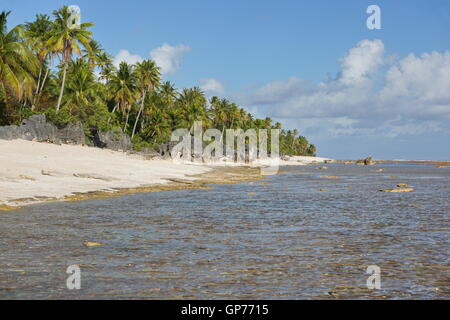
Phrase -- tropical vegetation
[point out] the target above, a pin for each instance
(48, 67)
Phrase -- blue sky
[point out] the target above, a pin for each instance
(291, 60)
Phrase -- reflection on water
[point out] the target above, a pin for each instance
(284, 240)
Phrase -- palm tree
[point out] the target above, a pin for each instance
(37, 33)
(81, 89)
(123, 89)
(158, 122)
(148, 76)
(193, 103)
(107, 69)
(65, 41)
(95, 54)
(168, 93)
(18, 65)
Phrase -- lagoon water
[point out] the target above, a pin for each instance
(283, 240)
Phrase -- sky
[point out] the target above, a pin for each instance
(311, 65)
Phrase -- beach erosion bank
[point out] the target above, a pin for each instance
(34, 172)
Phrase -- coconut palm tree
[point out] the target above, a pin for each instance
(18, 64)
(168, 93)
(81, 89)
(193, 103)
(107, 69)
(95, 54)
(123, 89)
(37, 33)
(148, 77)
(65, 40)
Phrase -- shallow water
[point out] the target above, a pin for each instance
(284, 240)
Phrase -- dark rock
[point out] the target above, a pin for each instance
(72, 134)
(367, 162)
(114, 140)
(166, 148)
(36, 128)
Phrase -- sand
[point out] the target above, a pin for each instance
(33, 172)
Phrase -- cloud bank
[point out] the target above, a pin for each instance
(371, 95)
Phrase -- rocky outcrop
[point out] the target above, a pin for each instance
(366, 162)
(36, 128)
(73, 133)
(165, 149)
(114, 140)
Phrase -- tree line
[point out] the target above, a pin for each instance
(48, 67)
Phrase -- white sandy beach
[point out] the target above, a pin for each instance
(33, 170)
(30, 172)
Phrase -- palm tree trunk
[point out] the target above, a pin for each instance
(139, 114)
(114, 110)
(39, 81)
(126, 121)
(36, 91)
(43, 81)
(39, 88)
(62, 87)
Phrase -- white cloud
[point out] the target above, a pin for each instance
(411, 97)
(212, 87)
(126, 56)
(361, 62)
(420, 85)
(168, 57)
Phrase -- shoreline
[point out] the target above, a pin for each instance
(35, 172)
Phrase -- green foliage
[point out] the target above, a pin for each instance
(139, 144)
(130, 98)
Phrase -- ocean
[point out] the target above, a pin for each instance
(302, 234)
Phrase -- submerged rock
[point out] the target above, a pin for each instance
(399, 190)
(366, 162)
(92, 244)
(403, 185)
